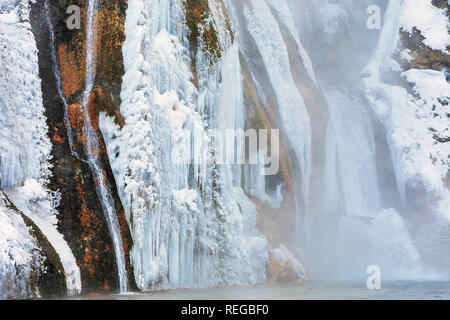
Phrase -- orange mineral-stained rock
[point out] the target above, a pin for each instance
(58, 139)
(95, 104)
(81, 217)
(73, 78)
(283, 267)
(76, 116)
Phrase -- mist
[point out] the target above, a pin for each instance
(365, 217)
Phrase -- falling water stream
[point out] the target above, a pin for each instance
(57, 73)
(92, 149)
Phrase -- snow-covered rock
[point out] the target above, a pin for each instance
(24, 146)
(20, 257)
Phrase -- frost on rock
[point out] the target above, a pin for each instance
(24, 154)
(416, 118)
(19, 256)
(284, 12)
(24, 146)
(429, 20)
(188, 229)
(38, 204)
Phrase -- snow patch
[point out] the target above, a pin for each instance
(38, 204)
(431, 21)
(20, 257)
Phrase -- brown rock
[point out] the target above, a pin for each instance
(81, 217)
(284, 268)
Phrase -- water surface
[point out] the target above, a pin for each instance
(394, 290)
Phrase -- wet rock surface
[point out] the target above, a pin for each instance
(81, 217)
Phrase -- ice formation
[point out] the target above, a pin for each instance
(193, 222)
(188, 228)
(408, 116)
(24, 155)
(37, 204)
(19, 256)
(409, 106)
(24, 146)
(264, 28)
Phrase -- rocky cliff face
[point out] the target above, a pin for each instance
(81, 216)
(362, 146)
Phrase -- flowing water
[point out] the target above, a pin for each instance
(92, 148)
(57, 73)
(92, 152)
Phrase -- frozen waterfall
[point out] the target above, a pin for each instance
(188, 221)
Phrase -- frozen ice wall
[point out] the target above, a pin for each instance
(188, 221)
(377, 148)
(412, 104)
(24, 155)
(24, 147)
(37, 204)
(19, 256)
(378, 194)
